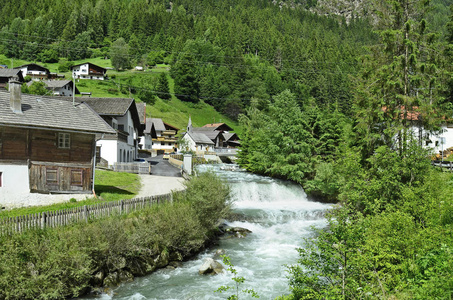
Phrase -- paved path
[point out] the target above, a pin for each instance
(161, 167)
(158, 185)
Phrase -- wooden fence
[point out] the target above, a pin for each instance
(79, 214)
(448, 165)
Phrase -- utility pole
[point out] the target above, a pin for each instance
(73, 89)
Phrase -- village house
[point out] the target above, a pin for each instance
(89, 71)
(47, 145)
(123, 116)
(196, 141)
(7, 75)
(61, 87)
(164, 140)
(220, 134)
(35, 71)
(146, 141)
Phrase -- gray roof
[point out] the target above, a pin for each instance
(56, 83)
(200, 138)
(53, 113)
(158, 124)
(9, 72)
(211, 134)
(141, 109)
(228, 136)
(106, 106)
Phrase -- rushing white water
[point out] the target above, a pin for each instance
(279, 215)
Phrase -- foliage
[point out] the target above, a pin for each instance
(209, 196)
(58, 263)
(119, 54)
(238, 281)
(36, 88)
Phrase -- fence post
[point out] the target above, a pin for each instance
(85, 212)
(121, 207)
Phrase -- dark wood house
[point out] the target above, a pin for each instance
(47, 144)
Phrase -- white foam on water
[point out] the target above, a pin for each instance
(279, 215)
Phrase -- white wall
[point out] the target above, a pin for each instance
(109, 150)
(128, 125)
(82, 72)
(15, 180)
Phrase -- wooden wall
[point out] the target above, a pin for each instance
(51, 169)
(42, 145)
(52, 177)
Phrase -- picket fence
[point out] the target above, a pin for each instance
(52, 219)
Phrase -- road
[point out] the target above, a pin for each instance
(164, 178)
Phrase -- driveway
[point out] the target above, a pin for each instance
(161, 167)
(164, 178)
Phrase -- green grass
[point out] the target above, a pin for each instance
(109, 186)
(173, 111)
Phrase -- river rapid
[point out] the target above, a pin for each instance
(279, 215)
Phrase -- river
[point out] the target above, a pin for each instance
(279, 215)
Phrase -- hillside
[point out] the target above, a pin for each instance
(127, 83)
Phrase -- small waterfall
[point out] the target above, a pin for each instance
(279, 215)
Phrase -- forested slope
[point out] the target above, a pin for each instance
(225, 53)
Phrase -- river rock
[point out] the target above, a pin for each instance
(162, 259)
(98, 278)
(116, 263)
(111, 280)
(238, 231)
(210, 266)
(125, 276)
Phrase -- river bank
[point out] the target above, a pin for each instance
(73, 260)
(278, 214)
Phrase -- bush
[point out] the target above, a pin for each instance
(60, 263)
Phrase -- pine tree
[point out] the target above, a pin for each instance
(399, 85)
(163, 88)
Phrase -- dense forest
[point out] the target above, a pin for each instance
(326, 99)
(225, 54)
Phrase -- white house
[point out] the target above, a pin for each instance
(146, 141)
(164, 140)
(196, 141)
(122, 115)
(61, 87)
(36, 72)
(89, 71)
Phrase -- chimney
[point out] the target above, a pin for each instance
(15, 95)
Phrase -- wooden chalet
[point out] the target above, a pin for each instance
(35, 71)
(89, 71)
(47, 144)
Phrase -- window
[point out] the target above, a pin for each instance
(77, 177)
(1, 173)
(51, 176)
(64, 140)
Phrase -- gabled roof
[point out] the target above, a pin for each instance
(52, 113)
(230, 136)
(141, 109)
(218, 126)
(211, 134)
(113, 107)
(149, 128)
(11, 73)
(57, 84)
(34, 67)
(91, 64)
(200, 138)
(158, 124)
(170, 127)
